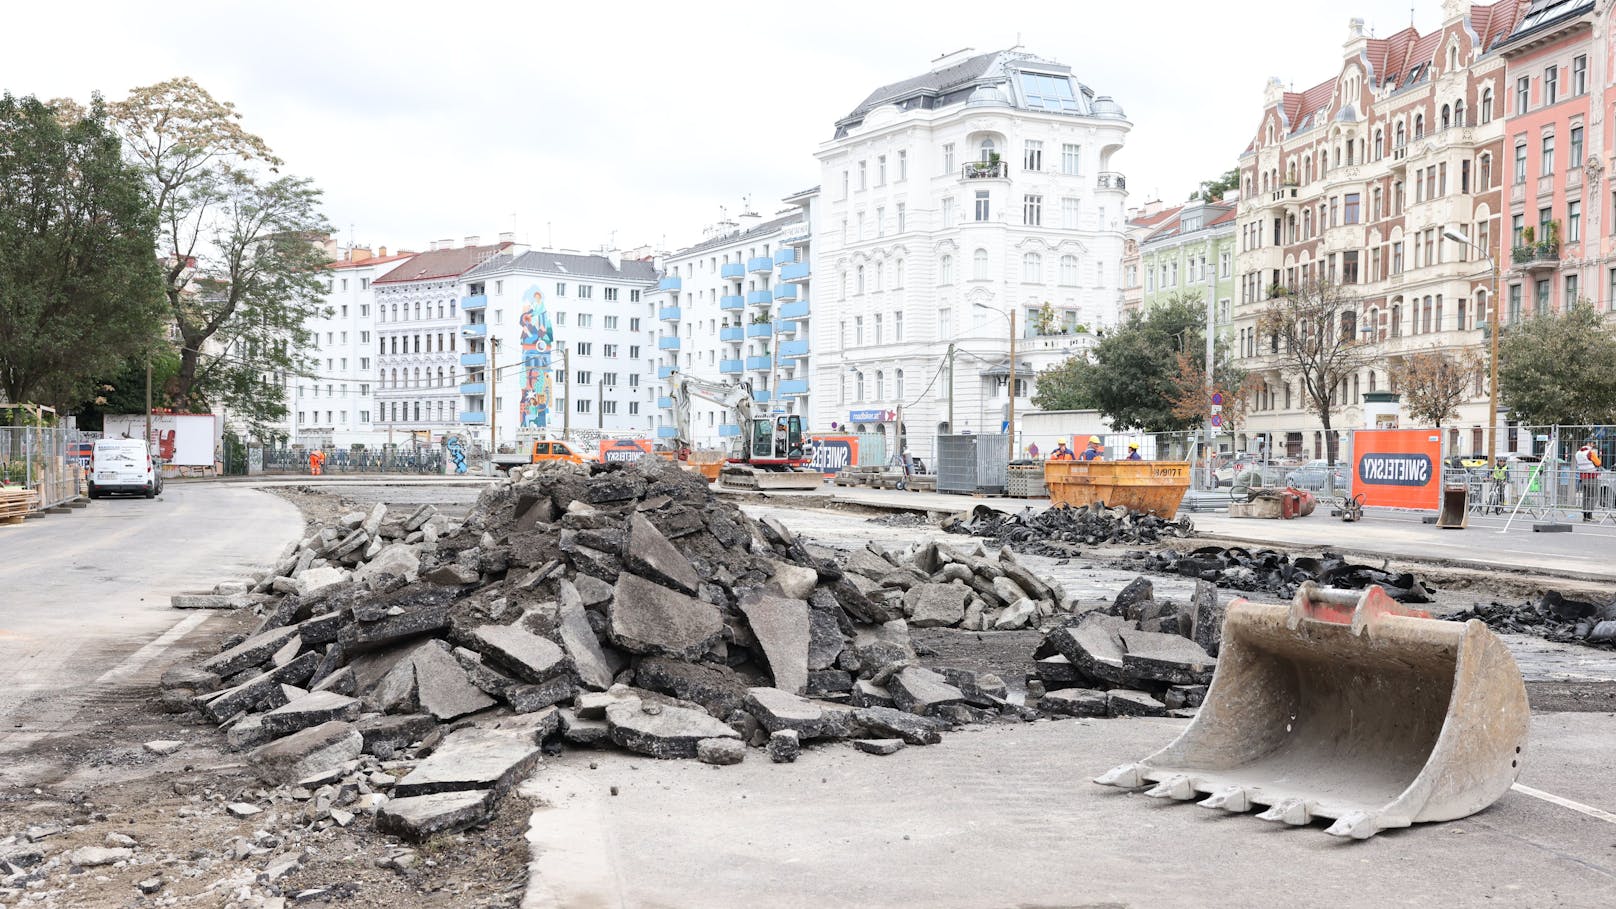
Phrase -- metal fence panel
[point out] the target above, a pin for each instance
(36, 457)
(973, 464)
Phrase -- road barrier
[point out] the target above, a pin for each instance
(37, 458)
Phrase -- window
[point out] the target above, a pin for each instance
(1571, 290)
(1069, 212)
(858, 281)
(560, 319)
(1548, 154)
(979, 265)
(1349, 267)
(608, 407)
(1486, 105)
(1349, 213)
(608, 350)
(1540, 297)
(863, 175)
(1517, 227)
(561, 288)
(585, 348)
(1576, 149)
(945, 270)
(1225, 264)
(1068, 269)
(948, 211)
(1397, 257)
(1551, 86)
(585, 377)
(858, 331)
(1520, 162)
(634, 351)
(633, 380)
(634, 323)
(1032, 155)
(880, 221)
(844, 184)
(945, 321)
(880, 170)
(1514, 303)
(1032, 210)
(634, 296)
(1049, 93)
(1579, 75)
(609, 294)
(948, 157)
(582, 405)
(1032, 267)
(1523, 94)
(903, 165)
(611, 323)
(585, 320)
(1573, 222)
(897, 273)
(364, 310)
(982, 209)
(901, 225)
(1071, 159)
(878, 326)
(897, 327)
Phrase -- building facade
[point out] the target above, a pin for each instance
(333, 401)
(554, 342)
(951, 203)
(1355, 182)
(1190, 253)
(734, 308)
(418, 325)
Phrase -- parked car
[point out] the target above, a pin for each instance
(123, 465)
(1313, 474)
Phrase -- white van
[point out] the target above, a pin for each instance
(123, 465)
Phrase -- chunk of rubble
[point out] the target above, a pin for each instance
(422, 817)
(648, 618)
(922, 691)
(888, 722)
(1075, 702)
(784, 746)
(520, 652)
(935, 605)
(1128, 702)
(1094, 647)
(473, 758)
(648, 554)
(310, 710)
(777, 710)
(306, 752)
(662, 731)
(578, 638)
(1168, 658)
(722, 752)
(97, 856)
(163, 747)
(879, 746)
(782, 630)
(249, 653)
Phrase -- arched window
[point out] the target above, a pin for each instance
(979, 265)
(395, 378)
(1068, 269)
(945, 270)
(876, 275)
(1349, 326)
(987, 149)
(841, 384)
(1453, 57)
(1032, 267)
(897, 273)
(1419, 126)
(417, 377)
(880, 385)
(1397, 320)
(858, 387)
(1481, 309)
(1484, 173)
(841, 279)
(1447, 114)
(1400, 137)
(858, 280)
(897, 391)
(1459, 113)
(1486, 105)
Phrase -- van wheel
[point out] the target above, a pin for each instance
(151, 492)
(94, 494)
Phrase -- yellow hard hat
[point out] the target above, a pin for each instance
(1094, 440)
(1133, 444)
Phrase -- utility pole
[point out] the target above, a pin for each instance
(148, 401)
(566, 388)
(1492, 368)
(1211, 305)
(491, 399)
(1011, 423)
(951, 427)
(600, 403)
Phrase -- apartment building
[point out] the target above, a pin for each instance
(1190, 252)
(976, 195)
(1355, 181)
(554, 341)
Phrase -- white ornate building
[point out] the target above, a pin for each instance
(948, 201)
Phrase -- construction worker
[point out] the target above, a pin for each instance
(1133, 452)
(1588, 465)
(1062, 453)
(1095, 451)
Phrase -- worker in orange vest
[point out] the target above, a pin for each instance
(1095, 451)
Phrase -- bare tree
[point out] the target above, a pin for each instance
(1189, 400)
(1316, 326)
(1434, 384)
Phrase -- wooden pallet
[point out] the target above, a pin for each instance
(15, 503)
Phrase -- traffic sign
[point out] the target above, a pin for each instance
(1217, 399)
(1217, 420)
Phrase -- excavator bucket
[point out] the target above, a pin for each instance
(1349, 706)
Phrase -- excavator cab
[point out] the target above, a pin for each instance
(776, 439)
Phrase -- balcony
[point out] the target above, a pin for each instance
(732, 301)
(473, 388)
(664, 403)
(985, 170)
(763, 362)
(728, 430)
(797, 310)
(785, 256)
(473, 359)
(662, 372)
(793, 350)
(761, 396)
(732, 271)
(475, 330)
(759, 330)
(730, 367)
(666, 432)
(796, 271)
(759, 297)
(473, 302)
(473, 416)
(669, 314)
(1287, 192)
(667, 343)
(1536, 256)
(672, 282)
(732, 333)
(793, 388)
(760, 265)
(1111, 180)
(785, 292)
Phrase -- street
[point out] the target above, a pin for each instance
(86, 595)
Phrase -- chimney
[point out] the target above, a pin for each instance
(472, 241)
(432, 246)
(446, 244)
(381, 252)
(749, 220)
(508, 236)
(615, 256)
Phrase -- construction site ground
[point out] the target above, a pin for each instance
(994, 816)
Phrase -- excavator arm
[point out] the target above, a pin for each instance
(735, 397)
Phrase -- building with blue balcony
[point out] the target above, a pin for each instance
(797, 310)
(760, 265)
(732, 333)
(672, 282)
(793, 388)
(473, 302)
(728, 430)
(785, 255)
(794, 349)
(730, 367)
(796, 271)
(732, 271)
(759, 330)
(668, 342)
(760, 297)
(731, 302)
(668, 314)
(785, 292)
(761, 361)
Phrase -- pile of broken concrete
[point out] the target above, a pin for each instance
(1062, 532)
(1279, 573)
(1140, 657)
(617, 604)
(1552, 616)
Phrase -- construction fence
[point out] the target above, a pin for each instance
(41, 460)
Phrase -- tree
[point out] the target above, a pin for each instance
(242, 270)
(1316, 326)
(1555, 369)
(125, 390)
(1129, 375)
(1433, 384)
(1189, 389)
(1214, 190)
(79, 290)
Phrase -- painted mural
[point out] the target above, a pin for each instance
(538, 339)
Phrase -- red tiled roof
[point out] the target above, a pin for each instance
(373, 260)
(440, 263)
(1157, 218)
(1224, 218)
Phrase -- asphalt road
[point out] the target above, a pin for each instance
(84, 597)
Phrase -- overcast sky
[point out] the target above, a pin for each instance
(571, 123)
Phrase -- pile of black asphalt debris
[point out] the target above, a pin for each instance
(1553, 617)
(1271, 571)
(1061, 532)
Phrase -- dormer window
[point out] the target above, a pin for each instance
(1049, 92)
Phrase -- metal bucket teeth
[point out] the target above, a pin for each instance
(1290, 811)
(1359, 825)
(1174, 787)
(1234, 799)
(1123, 776)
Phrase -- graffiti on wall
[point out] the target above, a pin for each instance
(538, 339)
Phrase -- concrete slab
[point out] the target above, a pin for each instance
(472, 758)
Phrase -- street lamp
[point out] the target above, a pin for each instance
(1010, 423)
(1492, 331)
